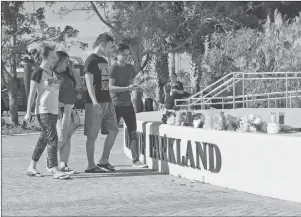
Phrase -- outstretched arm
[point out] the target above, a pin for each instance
(112, 86)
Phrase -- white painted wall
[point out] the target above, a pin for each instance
(182, 62)
(267, 165)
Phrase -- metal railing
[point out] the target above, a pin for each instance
(230, 80)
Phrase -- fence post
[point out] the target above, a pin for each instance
(243, 89)
(202, 101)
(223, 103)
(268, 100)
(233, 90)
(189, 113)
(286, 101)
(290, 100)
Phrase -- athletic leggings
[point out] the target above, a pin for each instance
(47, 138)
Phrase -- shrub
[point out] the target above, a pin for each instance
(9, 129)
(277, 48)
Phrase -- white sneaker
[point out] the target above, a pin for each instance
(138, 164)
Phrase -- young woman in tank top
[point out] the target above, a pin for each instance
(45, 83)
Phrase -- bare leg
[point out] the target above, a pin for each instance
(90, 148)
(64, 151)
(63, 127)
(32, 167)
(109, 142)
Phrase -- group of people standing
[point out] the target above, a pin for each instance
(108, 100)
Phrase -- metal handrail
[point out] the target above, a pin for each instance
(236, 76)
(225, 88)
(219, 80)
(266, 73)
(241, 101)
(218, 87)
(250, 95)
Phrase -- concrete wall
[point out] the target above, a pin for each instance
(267, 165)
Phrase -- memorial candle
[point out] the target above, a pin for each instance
(281, 117)
(273, 117)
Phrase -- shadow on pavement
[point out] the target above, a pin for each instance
(118, 173)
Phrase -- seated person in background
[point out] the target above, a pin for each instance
(173, 90)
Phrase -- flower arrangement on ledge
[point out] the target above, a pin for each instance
(251, 123)
(222, 121)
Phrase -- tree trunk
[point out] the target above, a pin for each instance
(28, 69)
(172, 63)
(161, 66)
(12, 89)
(198, 74)
(13, 106)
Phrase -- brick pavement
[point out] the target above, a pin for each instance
(126, 192)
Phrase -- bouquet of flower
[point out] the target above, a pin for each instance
(168, 116)
(138, 80)
(147, 84)
(198, 120)
(181, 119)
(231, 122)
(250, 123)
(215, 121)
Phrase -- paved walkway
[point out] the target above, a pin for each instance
(128, 191)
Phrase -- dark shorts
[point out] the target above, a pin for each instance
(129, 116)
(106, 121)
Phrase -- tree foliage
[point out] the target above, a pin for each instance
(29, 28)
(276, 48)
(158, 28)
(20, 29)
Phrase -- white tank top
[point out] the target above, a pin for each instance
(47, 94)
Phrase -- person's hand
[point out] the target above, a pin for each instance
(133, 87)
(78, 87)
(139, 88)
(27, 117)
(97, 108)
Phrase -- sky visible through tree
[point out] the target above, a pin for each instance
(88, 28)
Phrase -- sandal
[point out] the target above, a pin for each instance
(107, 166)
(68, 170)
(49, 170)
(95, 170)
(61, 175)
(34, 174)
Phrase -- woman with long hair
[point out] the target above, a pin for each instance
(45, 83)
(68, 121)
